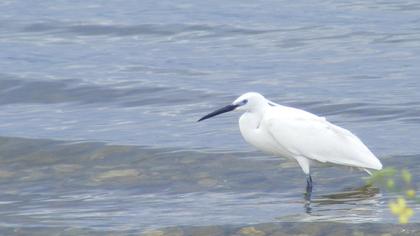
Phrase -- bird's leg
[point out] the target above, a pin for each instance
(308, 187)
(308, 194)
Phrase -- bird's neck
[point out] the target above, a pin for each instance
(251, 119)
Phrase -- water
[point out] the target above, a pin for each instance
(99, 103)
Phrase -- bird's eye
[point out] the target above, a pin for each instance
(243, 102)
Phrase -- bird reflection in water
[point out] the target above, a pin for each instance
(344, 197)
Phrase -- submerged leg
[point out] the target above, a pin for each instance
(308, 184)
(304, 163)
(308, 194)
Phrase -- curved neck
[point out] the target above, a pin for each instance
(252, 118)
(259, 109)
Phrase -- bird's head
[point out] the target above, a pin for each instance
(246, 102)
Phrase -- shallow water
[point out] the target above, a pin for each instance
(99, 103)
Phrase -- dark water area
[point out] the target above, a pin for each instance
(278, 229)
(99, 103)
(96, 187)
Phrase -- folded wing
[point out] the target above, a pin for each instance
(310, 136)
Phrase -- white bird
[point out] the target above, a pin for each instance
(297, 134)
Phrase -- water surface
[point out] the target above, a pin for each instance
(99, 103)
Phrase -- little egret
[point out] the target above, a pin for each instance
(293, 133)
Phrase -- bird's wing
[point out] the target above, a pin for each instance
(310, 136)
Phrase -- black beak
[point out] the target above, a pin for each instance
(219, 111)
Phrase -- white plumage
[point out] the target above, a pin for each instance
(297, 134)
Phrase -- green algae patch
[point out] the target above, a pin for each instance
(251, 231)
(207, 182)
(153, 233)
(66, 168)
(118, 174)
(5, 174)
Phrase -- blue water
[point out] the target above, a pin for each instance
(136, 75)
